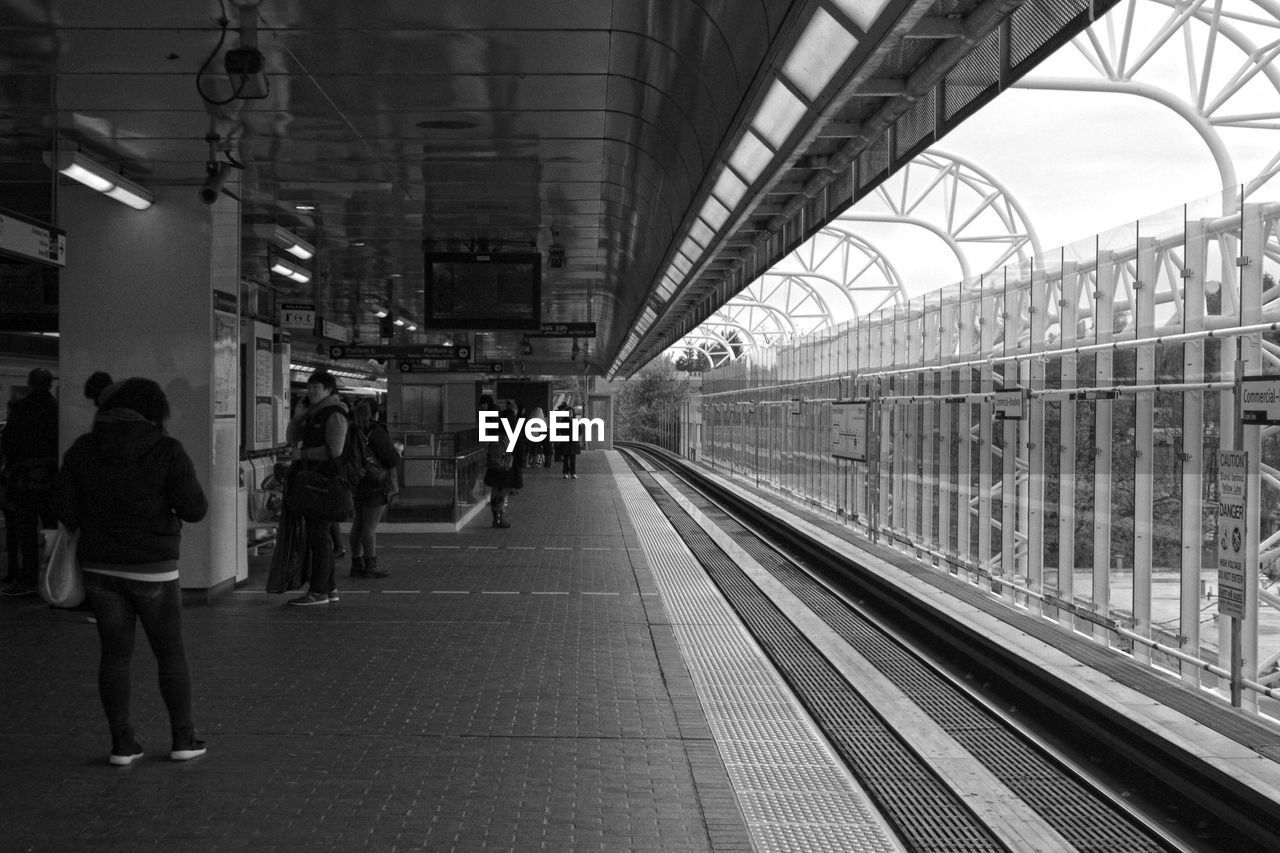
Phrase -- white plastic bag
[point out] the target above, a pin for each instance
(61, 581)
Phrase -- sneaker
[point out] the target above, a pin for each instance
(575, 476)
(566, 476)
(16, 588)
(310, 599)
(333, 597)
(187, 747)
(126, 752)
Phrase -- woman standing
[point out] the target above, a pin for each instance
(497, 469)
(127, 487)
(372, 493)
(320, 424)
(569, 449)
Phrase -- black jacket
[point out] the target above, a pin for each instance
(127, 487)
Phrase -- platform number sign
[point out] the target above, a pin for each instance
(1233, 467)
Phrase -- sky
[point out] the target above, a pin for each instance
(1080, 163)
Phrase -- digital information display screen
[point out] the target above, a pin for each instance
(483, 291)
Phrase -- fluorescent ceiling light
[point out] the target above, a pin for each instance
(398, 321)
(701, 232)
(729, 189)
(862, 12)
(379, 312)
(94, 175)
(750, 157)
(714, 213)
(821, 50)
(779, 113)
(412, 327)
(288, 269)
(285, 239)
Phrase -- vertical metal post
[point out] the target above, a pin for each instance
(1237, 650)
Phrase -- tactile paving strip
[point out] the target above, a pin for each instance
(793, 792)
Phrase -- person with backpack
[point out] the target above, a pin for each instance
(319, 429)
(373, 490)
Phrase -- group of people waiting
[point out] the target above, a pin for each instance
(318, 431)
(504, 471)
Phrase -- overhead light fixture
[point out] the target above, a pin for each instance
(380, 313)
(288, 269)
(94, 175)
(285, 239)
(398, 321)
(412, 327)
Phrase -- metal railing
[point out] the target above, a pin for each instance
(1093, 500)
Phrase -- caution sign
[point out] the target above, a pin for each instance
(1233, 469)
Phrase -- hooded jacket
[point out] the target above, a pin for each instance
(127, 487)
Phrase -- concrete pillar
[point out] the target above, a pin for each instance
(137, 299)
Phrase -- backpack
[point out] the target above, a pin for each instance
(352, 464)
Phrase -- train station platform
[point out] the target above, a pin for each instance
(573, 683)
(517, 689)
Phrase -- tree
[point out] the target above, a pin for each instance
(693, 360)
(648, 404)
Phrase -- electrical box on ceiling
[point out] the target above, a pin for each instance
(246, 68)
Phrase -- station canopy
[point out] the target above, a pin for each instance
(657, 156)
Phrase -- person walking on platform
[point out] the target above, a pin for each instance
(569, 450)
(320, 426)
(373, 493)
(125, 488)
(29, 446)
(497, 470)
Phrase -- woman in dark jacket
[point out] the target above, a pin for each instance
(372, 493)
(126, 487)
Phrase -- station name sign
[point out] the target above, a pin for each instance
(1260, 400)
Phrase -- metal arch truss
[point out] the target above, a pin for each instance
(1087, 492)
(1227, 59)
(839, 273)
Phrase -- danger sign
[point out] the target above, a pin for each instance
(1233, 470)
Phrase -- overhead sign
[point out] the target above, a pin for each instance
(416, 365)
(330, 330)
(1260, 400)
(298, 315)
(565, 330)
(1009, 403)
(427, 351)
(849, 431)
(32, 240)
(1233, 470)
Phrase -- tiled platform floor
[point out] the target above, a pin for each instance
(506, 690)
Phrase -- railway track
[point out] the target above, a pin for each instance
(957, 749)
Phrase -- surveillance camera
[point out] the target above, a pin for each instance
(212, 185)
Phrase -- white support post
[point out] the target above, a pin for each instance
(949, 313)
(1104, 293)
(1253, 244)
(911, 348)
(986, 409)
(1144, 444)
(1193, 318)
(932, 387)
(1040, 294)
(1073, 281)
(1010, 451)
